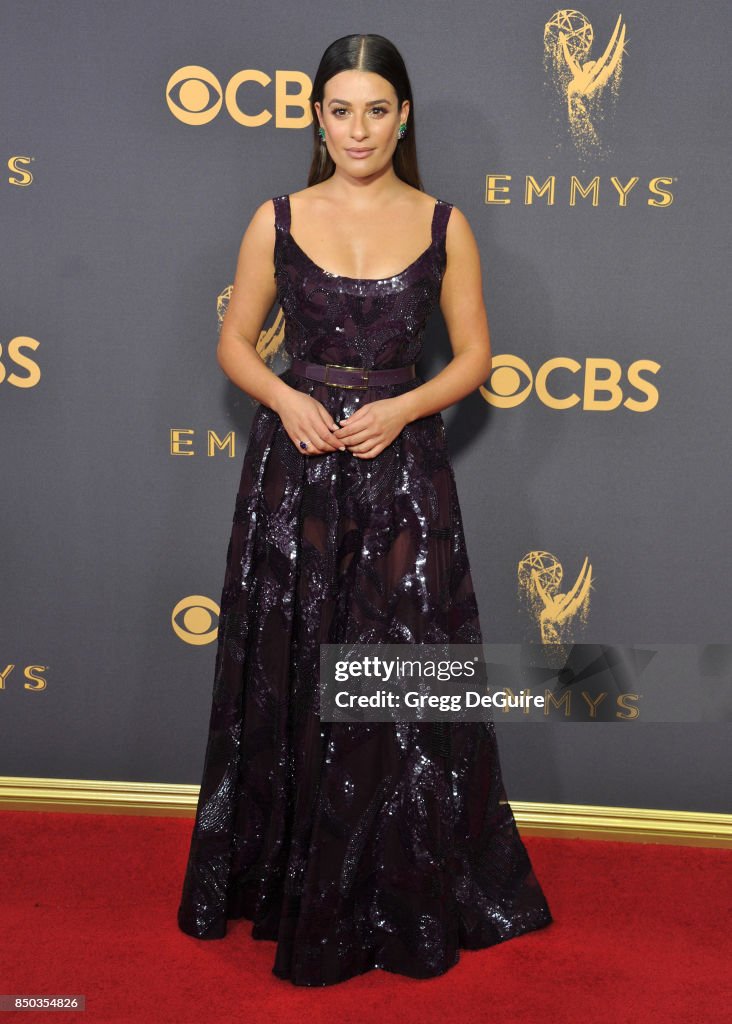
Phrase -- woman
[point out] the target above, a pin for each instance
(352, 845)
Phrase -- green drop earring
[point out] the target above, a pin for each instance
(321, 133)
(402, 131)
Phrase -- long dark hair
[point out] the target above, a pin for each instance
(365, 53)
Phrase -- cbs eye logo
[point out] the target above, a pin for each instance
(195, 96)
(15, 356)
(195, 620)
(598, 385)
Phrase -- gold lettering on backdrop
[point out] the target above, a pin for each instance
(592, 385)
(14, 354)
(195, 96)
(593, 704)
(216, 444)
(32, 673)
(542, 378)
(300, 99)
(533, 189)
(505, 388)
(666, 197)
(624, 190)
(623, 699)
(608, 384)
(579, 193)
(16, 165)
(38, 681)
(563, 702)
(232, 102)
(576, 186)
(180, 445)
(492, 188)
(184, 445)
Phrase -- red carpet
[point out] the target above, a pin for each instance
(641, 933)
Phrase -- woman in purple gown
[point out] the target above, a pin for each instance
(362, 845)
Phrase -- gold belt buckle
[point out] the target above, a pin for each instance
(340, 366)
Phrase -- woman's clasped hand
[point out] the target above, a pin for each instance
(365, 434)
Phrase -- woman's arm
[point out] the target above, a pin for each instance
(252, 297)
(463, 307)
(254, 291)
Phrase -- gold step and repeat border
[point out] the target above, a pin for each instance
(570, 821)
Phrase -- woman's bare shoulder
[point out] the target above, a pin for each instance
(262, 222)
(265, 212)
(458, 225)
(460, 243)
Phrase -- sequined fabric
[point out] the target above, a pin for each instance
(352, 846)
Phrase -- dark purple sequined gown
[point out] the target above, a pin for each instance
(367, 845)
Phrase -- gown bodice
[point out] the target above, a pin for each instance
(376, 323)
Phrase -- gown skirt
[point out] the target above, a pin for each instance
(352, 846)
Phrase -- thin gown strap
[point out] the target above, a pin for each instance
(282, 213)
(440, 217)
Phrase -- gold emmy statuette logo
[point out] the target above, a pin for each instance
(17, 165)
(558, 615)
(585, 86)
(271, 340)
(14, 354)
(270, 344)
(198, 623)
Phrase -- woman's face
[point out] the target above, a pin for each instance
(359, 112)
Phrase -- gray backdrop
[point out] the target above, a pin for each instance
(121, 225)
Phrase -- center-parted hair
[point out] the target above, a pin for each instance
(374, 53)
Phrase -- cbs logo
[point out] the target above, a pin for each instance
(15, 355)
(195, 96)
(598, 385)
(195, 620)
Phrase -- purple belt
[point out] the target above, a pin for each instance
(339, 376)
